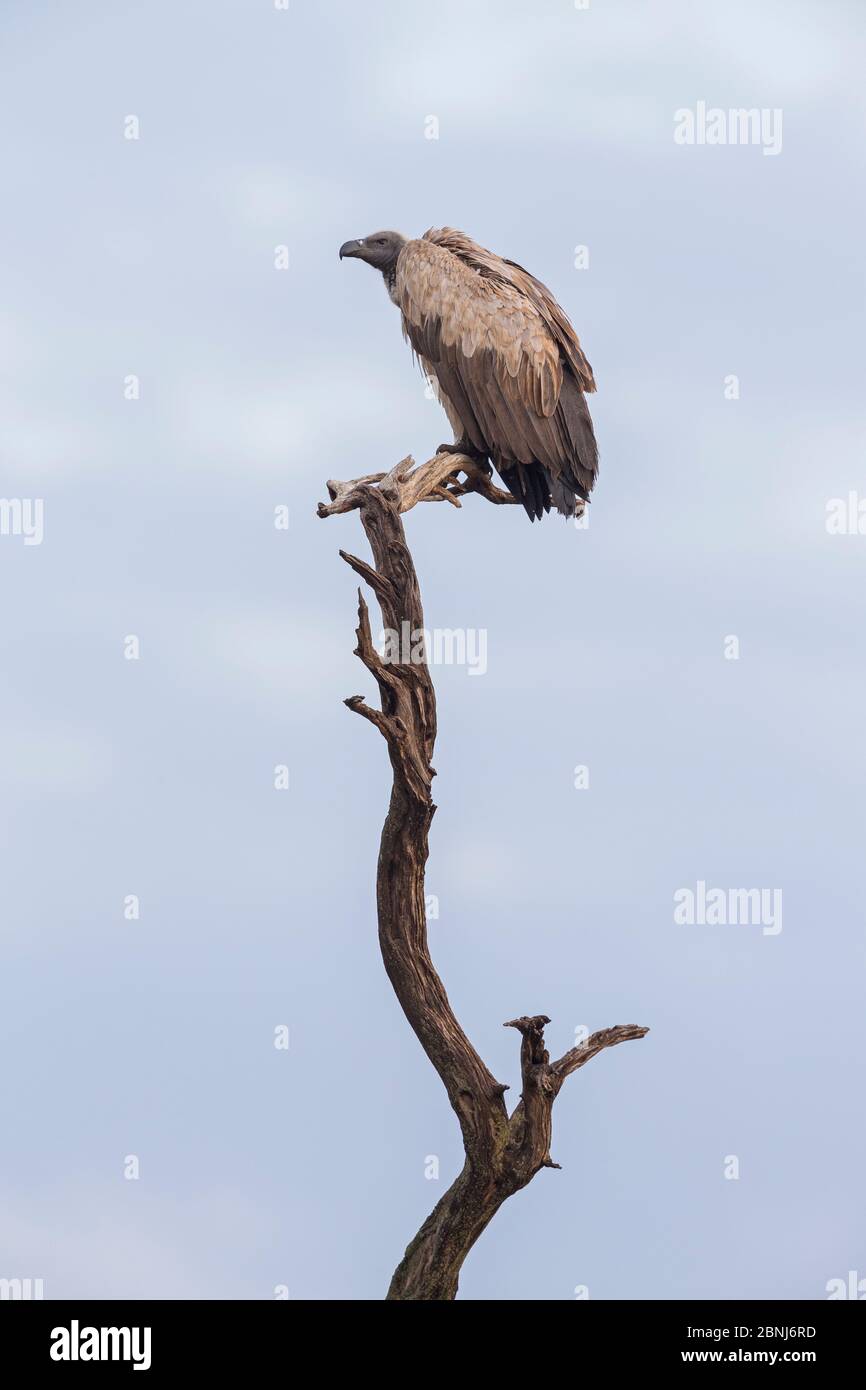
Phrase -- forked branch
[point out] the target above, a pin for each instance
(503, 1151)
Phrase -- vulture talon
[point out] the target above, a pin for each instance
(463, 446)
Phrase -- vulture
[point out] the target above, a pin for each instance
(503, 359)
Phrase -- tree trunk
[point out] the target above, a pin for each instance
(503, 1152)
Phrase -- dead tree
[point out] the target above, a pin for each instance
(503, 1152)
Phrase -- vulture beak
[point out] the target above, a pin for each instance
(351, 248)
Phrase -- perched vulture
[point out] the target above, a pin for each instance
(505, 361)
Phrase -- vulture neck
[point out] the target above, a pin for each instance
(389, 275)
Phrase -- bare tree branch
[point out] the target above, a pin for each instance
(605, 1037)
(503, 1152)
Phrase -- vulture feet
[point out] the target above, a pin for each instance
(463, 446)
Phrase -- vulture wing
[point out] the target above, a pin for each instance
(507, 361)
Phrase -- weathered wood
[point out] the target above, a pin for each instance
(503, 1152)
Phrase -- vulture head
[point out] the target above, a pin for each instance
(380, 250)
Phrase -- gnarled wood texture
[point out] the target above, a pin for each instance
(503, 1151)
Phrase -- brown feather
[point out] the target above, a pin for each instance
(507, 363)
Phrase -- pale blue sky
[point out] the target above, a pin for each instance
(605, 647)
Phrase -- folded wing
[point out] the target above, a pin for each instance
(506, 359)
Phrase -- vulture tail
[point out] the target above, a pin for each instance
(564, 495)
(529, 485)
